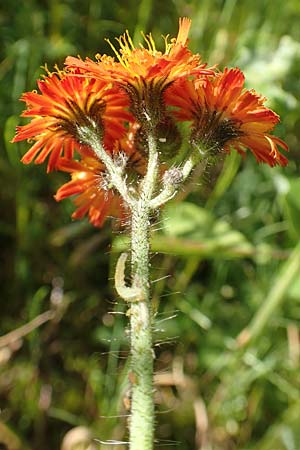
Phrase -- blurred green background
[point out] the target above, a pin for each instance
(227, 326)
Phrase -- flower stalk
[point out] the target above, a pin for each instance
(141, 426)
(173, 178)
(141, 429)
(89, 136)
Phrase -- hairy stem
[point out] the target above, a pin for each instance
(89, 136)
(141, 427)
(142, 404)
(171, 186)
(142, 408)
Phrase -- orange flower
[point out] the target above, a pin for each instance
(145, 73)
(89, 185)
(90, 182)
(225, 115)
(65, 103)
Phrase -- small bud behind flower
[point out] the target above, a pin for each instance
(173, 176)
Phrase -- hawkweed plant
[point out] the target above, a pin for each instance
(130, 129)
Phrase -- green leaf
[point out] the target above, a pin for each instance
(203, 234)
(185, 219)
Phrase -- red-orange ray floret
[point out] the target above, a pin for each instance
(65, 102)
(87, 185)
(222, 100)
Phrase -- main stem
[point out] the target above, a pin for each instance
(141, 429)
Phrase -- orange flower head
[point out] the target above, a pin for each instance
(66, 102)
(145, 73)
(224, 115)
(89, 186)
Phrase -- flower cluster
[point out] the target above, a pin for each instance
(122, 99)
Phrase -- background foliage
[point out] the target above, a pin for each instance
(227, 331)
